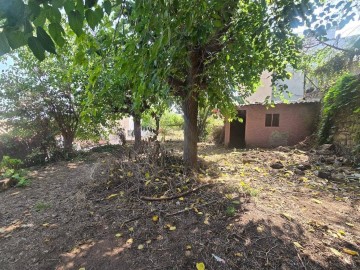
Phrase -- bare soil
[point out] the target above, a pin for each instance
(235, 213)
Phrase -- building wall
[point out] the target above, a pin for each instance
(264, 90)
(296, 122)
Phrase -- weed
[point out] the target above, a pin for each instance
(247, 189)
(40, 206)
(230, 211)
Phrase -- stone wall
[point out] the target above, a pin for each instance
(346, 130)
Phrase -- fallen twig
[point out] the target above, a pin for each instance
(188, 209)
(175, 196)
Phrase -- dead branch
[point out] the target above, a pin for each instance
(175, 196)
(188, 209)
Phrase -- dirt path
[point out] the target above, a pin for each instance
(253, 217)
(50, 217)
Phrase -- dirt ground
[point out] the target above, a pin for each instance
(236, 213)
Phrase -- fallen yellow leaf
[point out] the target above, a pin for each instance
(238, 254)
(287, 216)
(129, 241)
(351, 252)
(155, 218)
(200, 266)
(172, 228)
(188, 247)
(140, 247)
(316, 201)
(111, 196)
(296, 244)
(336, 252)
(131, 229)
(118, 235)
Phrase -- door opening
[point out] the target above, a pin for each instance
(237, 131)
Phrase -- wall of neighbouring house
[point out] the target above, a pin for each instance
(296, 122)
(346, 130)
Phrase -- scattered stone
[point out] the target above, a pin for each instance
(324, 174)
(277, 165)
(327, 147)
(299, 172)
(354, 177)
(298, 151)
(304, 166)
(249, 160)
(283, 149)
(340, 177)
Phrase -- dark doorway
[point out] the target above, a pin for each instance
(237, 131)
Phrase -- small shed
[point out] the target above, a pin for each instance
(282, 125)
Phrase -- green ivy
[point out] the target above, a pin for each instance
(344, 94)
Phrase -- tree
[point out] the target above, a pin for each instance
(53, 89)
(212, 52)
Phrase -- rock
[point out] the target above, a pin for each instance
(248, 160)
(298, 151)
(324, 174)
(304, 166)
(340, 177)
(299, 172)
(277, 165)
(283, 149)
(327, 147)
(354, 177)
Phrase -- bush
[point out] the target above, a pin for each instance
(344, 94)
(10, 163)
(218, 135)
(10, 169)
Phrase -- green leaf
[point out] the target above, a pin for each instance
(54, 15)
(36, 47)
(218, 23)
(80, 6)
(16, 39)
(107, 7)
(4, 45)
(69, 6)
(91, 18)
(90, 3)
(40, 19)
(45, 40)
(76, 22)
(56, 31)
(57, 3)
(80, 57)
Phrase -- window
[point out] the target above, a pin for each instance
(272, 120)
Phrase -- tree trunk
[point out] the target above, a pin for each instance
(68, 141)
(190, 109)
(157, 129)
(137, 130)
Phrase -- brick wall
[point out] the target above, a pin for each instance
(296, 122)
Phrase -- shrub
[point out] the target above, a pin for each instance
(345, 94)
(218, 135)
(10, 169)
